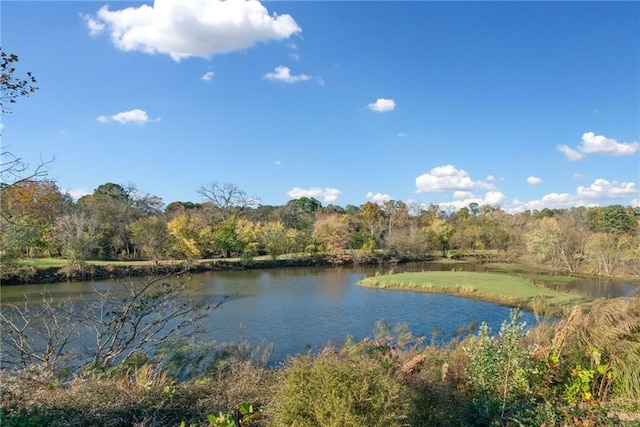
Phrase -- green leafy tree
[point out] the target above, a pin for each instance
(150, 236)
(300, 213)
(226, 237)
(615, 219)
(441, 231)
(274, 238)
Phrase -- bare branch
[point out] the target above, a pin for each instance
(228, 199)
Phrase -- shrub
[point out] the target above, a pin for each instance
(351, 387)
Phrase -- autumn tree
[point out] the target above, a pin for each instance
(331, 231)
(249, 234)
(191, 237)
(75, 234)
(29, 209)
(372, 218)
(559, 242)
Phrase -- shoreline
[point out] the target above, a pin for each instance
(46, 275)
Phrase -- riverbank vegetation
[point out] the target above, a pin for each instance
(118, 224)
(582, 370)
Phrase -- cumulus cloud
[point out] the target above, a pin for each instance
(208, 76)
(183, 29)
(635, 203)
(448, 178)
(534, 180)
(382, 105)
(136, 116)
(462, 194)
(327, 194)
(492, 198)
(378, 197)
(571, 154)
(592, 143)
(283, 74)
(600, 190)
(603, 189)
(598, 144)
(551, 201)
(95, 27)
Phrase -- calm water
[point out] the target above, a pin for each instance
(301, 308)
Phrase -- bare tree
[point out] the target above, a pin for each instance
(149, 314)
(13, 170)
(37, 332)
(120, 322)
(227, 199)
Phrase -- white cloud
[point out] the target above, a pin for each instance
(402, 135)
(283, 74)
(462, 194)
(635, 203)
(534, 180)
(600, 190)
(551, 201)
(136, 116)
(208, 76)
(493, 198)
(278, 163)
(592, 143)
(186, 28)
(603, 189)
(571, 154)
(578, 175)
(327, 194)
(598, 144)
(448, 178)
(382, 105)
(378, 197)
(76, 193)
(94, 26)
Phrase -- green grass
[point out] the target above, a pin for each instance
(44, 262)
(494, 287)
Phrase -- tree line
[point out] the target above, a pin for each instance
(118, 222)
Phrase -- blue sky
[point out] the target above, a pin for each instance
(523, 105)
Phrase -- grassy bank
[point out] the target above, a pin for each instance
(500, 288)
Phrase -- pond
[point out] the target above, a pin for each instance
(297, 309)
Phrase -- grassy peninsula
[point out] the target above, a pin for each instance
(494, 287)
